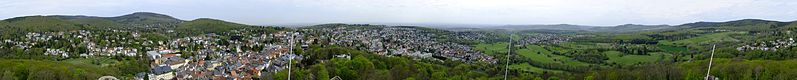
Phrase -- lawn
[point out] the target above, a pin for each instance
(493, 49)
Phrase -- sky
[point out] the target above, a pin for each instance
(515, 12)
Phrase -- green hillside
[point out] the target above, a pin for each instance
(98, 23)
(140, 21)
(145, 18)
(39, 24)
(207, 25)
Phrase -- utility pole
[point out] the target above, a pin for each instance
(506, 69)
(710, 60)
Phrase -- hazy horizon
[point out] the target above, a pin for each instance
(500, 12)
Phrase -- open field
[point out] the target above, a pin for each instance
(709, 38)
(493, 49)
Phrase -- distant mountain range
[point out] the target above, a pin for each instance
(618, 28)
(637, 27)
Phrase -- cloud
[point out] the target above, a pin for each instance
(585, 12)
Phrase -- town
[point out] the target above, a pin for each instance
(774, 45)
(396, 40)
(196, 57)
(243, 56)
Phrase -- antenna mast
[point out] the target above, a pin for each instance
(506, 69)
(710, 60)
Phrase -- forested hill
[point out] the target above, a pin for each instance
(38, 24)
(139, 21)
(744, 22)
(145, 18)
(207, 25)
(744, 25)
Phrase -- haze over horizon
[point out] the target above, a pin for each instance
(515, 12)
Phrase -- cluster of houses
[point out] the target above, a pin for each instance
(769, 45)
(471, 36)
(111, 43)
(543, 38)
(407, 41)
(57, 52)
(29, 41)
(63, 43)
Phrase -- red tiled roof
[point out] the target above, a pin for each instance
(168, 55)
